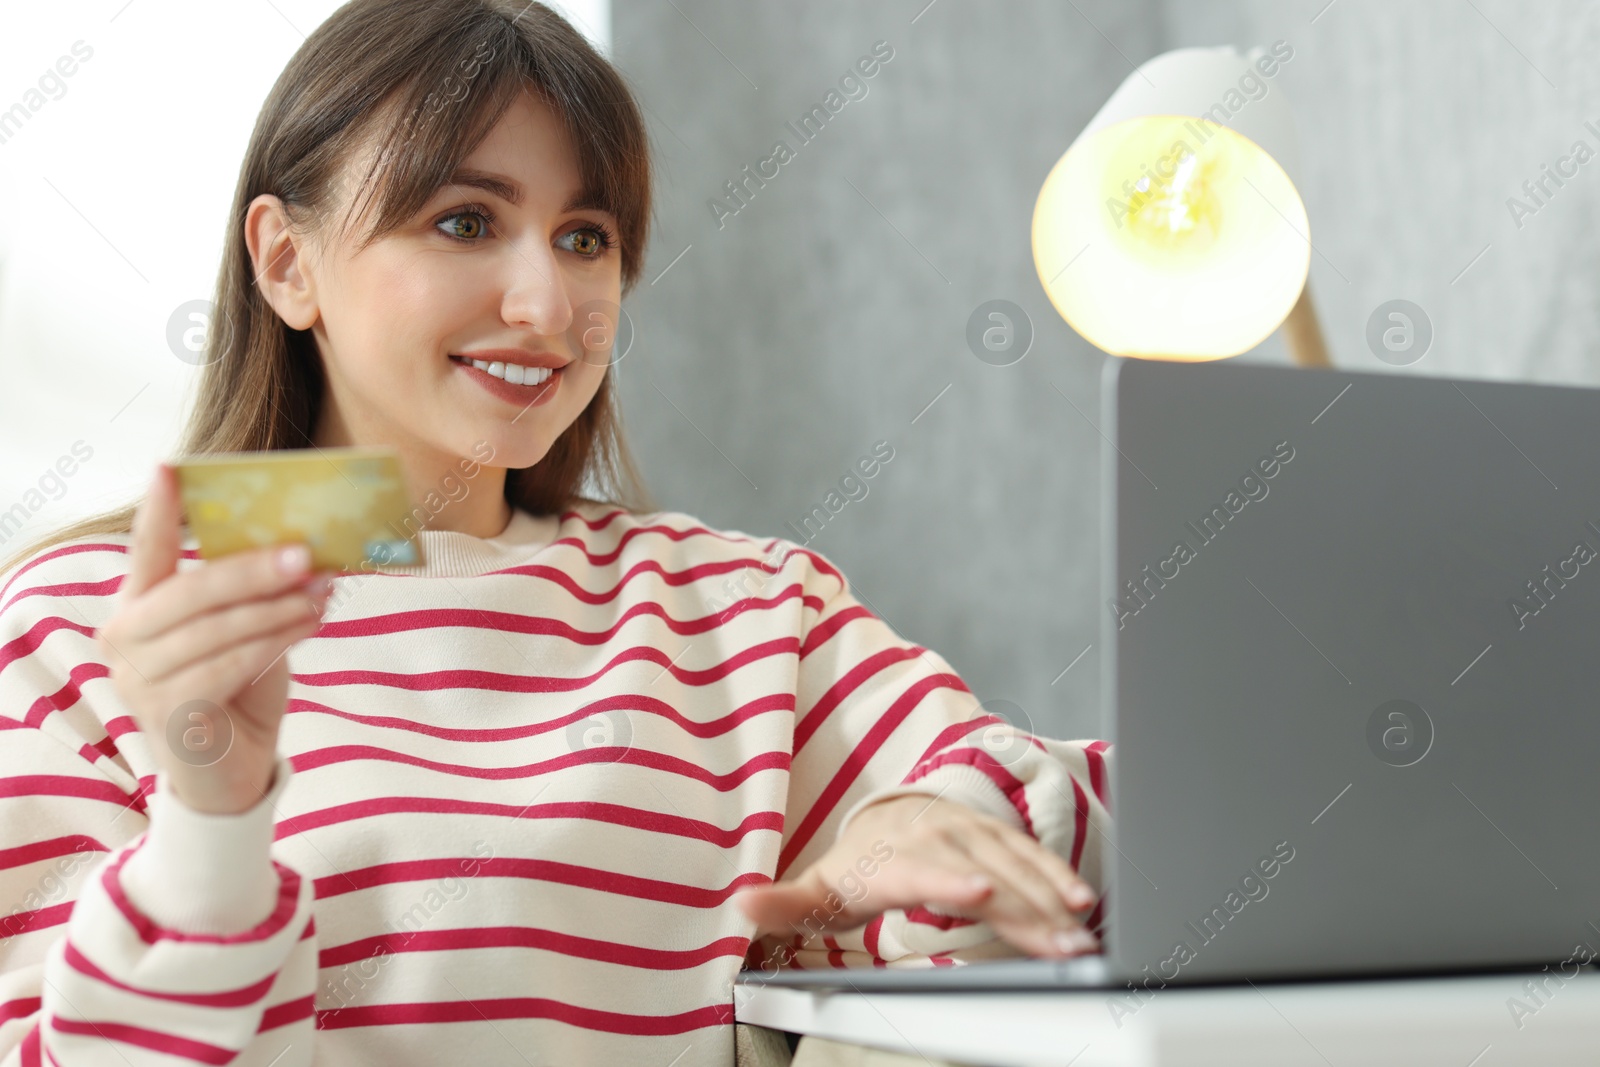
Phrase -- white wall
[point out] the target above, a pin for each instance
(113, 197)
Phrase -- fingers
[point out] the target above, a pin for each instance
(957, 860)
(1074, 891)
(155, 541)
(809, 905)
(773, 907)
(205, 635)
(1025, 893)
(224, 674)
(792, 905)
(1027, 907)
(253, 575)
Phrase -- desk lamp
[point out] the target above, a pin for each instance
(1171, 228)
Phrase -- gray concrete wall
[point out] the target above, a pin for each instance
(831, 310)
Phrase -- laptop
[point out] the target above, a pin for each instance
(1350, 663)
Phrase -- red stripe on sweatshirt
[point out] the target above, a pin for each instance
(290, 1011)
(627, 702)
(812, 718)
(501, 682)
(923, 917)
(818, 635)
(229, 998)
(20, 922)
(672, 533)
(21, 647)
(104, 587)
(991, 768)
(121, 726)
(464, 938)
(336, 754)
(589, 810)
(67, 695)
(598, 524)
(562, 577)
(1080, 821)
(627, 885)
(869, 936)
(142, 1037)
(72, 550)
(605, 559)
(65, 785)
(955, 732)
(151, 933)
(419, 619)
(104, 747)
(30, 1047)
(20, 1008)
(56, 553)
(478, 1010)
(857, 760)
(49, 849)
(1097, 771)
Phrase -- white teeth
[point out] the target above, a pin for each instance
(515, 373)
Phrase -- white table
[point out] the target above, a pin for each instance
(1449, 1022)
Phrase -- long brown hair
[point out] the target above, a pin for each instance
(451, 67)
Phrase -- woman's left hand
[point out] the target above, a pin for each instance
(906, 851)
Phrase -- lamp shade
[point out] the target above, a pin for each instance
(1171, 228)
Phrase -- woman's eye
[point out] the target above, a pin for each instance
(465, 225)
(585, 241)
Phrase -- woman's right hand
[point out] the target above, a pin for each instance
(198, 655)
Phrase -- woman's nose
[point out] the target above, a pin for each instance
(535, 293)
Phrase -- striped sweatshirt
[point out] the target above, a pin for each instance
(516, 789)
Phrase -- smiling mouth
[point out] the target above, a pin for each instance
(514, 373)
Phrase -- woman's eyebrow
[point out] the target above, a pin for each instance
(510, 191)
(498, 184)
(584, 200)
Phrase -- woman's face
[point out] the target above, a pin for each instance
(517, 266)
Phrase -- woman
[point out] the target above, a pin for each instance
(511, 796)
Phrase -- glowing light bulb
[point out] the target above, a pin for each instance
(1188, 241)
(1178, 209)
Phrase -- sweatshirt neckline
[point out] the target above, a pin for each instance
(453, 554)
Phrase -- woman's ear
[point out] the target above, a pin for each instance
(282, 273)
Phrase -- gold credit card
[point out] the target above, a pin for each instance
(348, 505)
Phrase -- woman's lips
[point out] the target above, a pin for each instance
(523, 396)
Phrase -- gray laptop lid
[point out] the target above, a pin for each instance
(1351, 650)
(1355, 715)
